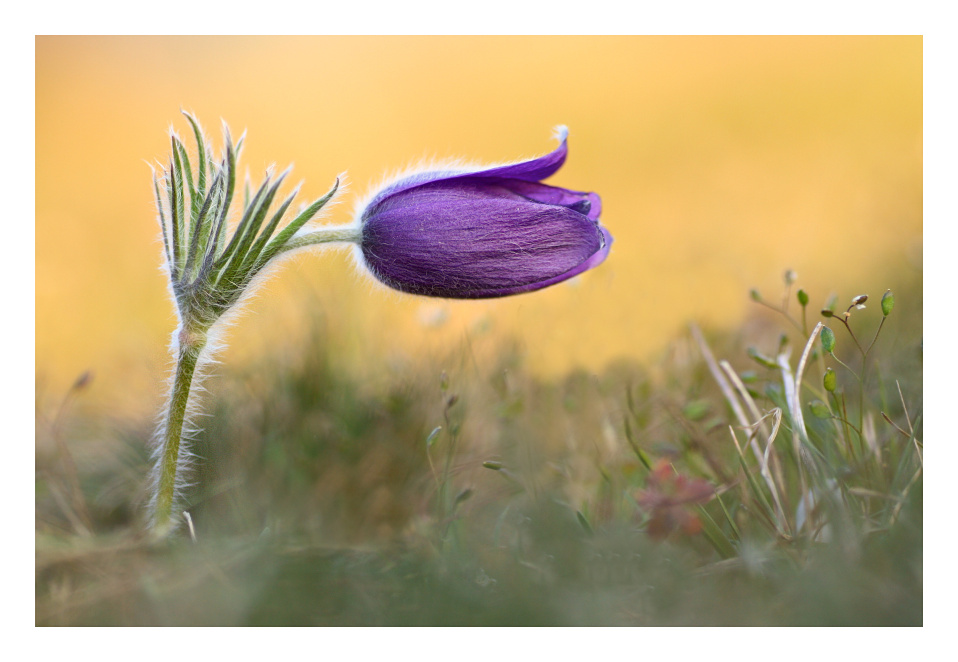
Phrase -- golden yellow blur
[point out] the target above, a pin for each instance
(720, 161)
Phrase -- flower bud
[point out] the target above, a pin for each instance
(828, 339)
(887, 303)
(481, 232)
(830, 380)
(819, 409)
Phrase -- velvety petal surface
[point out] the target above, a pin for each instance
(532, 170)
(476, 236)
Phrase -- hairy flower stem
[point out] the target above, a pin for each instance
(213, 266)
(191, 345)
(331, 234)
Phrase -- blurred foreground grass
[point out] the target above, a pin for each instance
(456, 493)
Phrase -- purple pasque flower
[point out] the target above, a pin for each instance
(481, 232)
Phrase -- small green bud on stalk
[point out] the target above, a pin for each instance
(819, 409)
(761, 359)
(830, 380)
(887, 303)
(828, 339)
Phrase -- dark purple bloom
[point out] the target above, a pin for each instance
(473, 233)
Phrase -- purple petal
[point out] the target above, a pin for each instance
(532, 170)
(472, 238)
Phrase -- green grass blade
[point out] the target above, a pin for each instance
(728, 517)
(715, 535)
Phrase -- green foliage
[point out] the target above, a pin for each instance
(688, 491)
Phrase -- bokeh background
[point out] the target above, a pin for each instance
(721, 162)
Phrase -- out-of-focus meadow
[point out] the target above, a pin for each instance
(720, 161)
(561, 457)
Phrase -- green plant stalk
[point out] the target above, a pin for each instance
(212, 269)
(190, 349)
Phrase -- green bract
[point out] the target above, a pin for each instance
(211, 268)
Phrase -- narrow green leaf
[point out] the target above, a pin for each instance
(584, 523)
(275, 246)
(234, 274)
(202, 229)
(696, 410)
(214, 196)
(201, 155)
(178, 186)
(250, 249)
(229, 166)
(643, 458)
(264, 236)
(164, 227)
(175, 224)
(715, 535)
(761, 359)
(226, 257)
(756, 490)
(195, 201)
(728, 517)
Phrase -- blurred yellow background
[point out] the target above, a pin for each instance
(720, 162)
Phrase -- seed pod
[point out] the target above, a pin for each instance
(887, 303)
(819, 409)
(828, 339)
(830, 380)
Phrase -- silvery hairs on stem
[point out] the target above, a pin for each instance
(212, 268)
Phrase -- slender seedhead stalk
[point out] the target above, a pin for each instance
(211, 268)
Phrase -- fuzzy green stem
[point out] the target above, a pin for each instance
(327, 235)
(191, 344)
